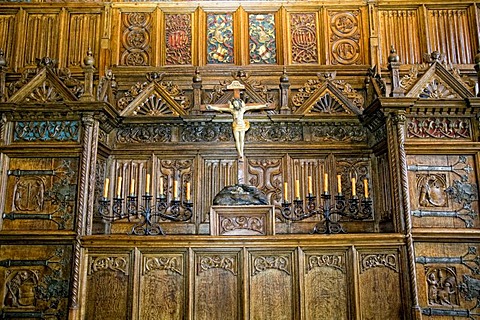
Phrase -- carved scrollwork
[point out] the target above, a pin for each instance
(136, 39)
(144, 134)
(339, 132)
(255, 224)
(345, 37)
(60, 131)
(107, 263)
(263, 263)
(173, 264)
(409, 79)
(228, 263)
(326, 260)
(438, 128)
(275, 133)
(380, 260)
(178, 39)
(304, 38)
(207, 133)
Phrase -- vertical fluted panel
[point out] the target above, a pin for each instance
(450, 34)
(84, 34)
(400, 29)
(7, 28)
(41, 37)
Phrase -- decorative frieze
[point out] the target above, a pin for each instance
(144, 134)
(46, 131)
(438, 128)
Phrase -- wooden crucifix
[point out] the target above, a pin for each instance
(237, 107)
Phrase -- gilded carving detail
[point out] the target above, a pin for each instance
(228, 263)
(101, 263)
(173, 264)
(263, 263)
(439, 128)
(380, 260)
(304, 37)
(442, 288)
(220, 38)
(326, 260)
(135, 41)
(178, 39)
(262, 41)
(345, 37)
(143, 134)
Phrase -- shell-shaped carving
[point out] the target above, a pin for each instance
(437, 90)
(328, 104)
(153, 106)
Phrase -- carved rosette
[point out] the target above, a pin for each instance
(178, 39)
(345, 34)
(135, 41)
(304, 38)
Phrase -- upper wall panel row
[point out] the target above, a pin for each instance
(162, 34)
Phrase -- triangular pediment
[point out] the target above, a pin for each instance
(44, 87)
(328, 99)
(438, 83)
(156, 99)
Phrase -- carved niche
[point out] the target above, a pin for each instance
(442, 287)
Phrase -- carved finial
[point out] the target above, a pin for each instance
(46, 62)
(152, 76)
(477, 61)
(393, 57)
(197, 78)
(89, 61)
(3, 61)
(284, 76)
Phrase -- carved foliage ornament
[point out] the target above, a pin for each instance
(381, 260)
(107, 263)
(326, 260)
(173, 264)
(50, 131)
(252, 223)
(439, 128)
(304, 38)
(262, 41)
(144, 134)
(220, 38)
(178, 39)
(338, 132)
(228, 263)
(263, 263)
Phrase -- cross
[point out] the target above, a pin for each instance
(237, 107)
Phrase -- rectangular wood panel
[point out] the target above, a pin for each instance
(84, 30)
(217, 286)
(272, 285)
(42, 36)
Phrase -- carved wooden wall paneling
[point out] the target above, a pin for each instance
(447, 276)
(41, 194)
(400, 28)
(163, 286)
(379, 271)
(249, 281)
(137, 40)
(450, 32)
(443, 191)
(304, 42)
(84, 30)
(35, 280)
(43, 29)
(109, 284)
(8, 20)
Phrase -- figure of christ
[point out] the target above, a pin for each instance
(237, 108)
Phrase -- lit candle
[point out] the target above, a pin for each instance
(325, 183)
(188, 191)
(354, 191)
(339, 183)
(132, 187)
(297, 189)
(105, 187)
(147, 185)
(119, 187)
(285, 192)
(365, 187)
(175, 191)
(161, 186)
(310, 187)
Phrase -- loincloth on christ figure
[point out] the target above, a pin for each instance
(241, 126)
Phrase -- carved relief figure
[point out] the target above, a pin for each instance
(29, 194)
(442, 287)
(20, 289)
(432, 191)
